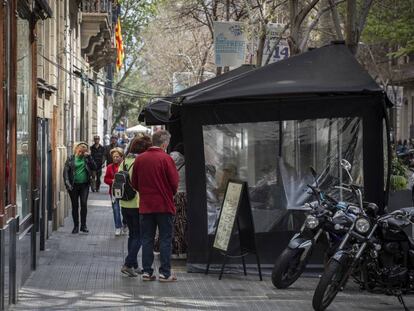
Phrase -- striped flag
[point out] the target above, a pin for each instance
(119, 46)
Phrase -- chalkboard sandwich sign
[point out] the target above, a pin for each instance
(235, 212)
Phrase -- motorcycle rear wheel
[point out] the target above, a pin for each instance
(329, 285)
(289, 267)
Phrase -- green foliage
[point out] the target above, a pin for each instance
(398, 183)
(135, 17)
(398, 180)
(391, 22)
(397, 167)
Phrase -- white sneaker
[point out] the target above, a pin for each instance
(117, 231)
(124, 229)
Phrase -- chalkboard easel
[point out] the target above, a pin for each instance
(235, 210)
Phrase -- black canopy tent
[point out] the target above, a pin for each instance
(321, 85)
(159, 111)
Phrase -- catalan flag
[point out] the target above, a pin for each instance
(119, 46)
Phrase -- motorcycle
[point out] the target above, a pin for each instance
(376, 253)
(328, 216)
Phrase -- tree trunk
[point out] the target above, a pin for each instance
(326, 24)
(293, 39)
(261, 45)
(351, 27)
(336, 21)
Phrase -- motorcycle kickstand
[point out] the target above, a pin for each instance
(401, 300)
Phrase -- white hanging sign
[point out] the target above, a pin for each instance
(229, 44)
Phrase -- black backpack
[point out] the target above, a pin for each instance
(121, 187)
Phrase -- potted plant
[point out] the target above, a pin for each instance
(400, 193)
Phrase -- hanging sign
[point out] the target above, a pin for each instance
(229, 44)
(281, 51)
(395, 94)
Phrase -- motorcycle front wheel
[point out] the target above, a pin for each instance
(289, 267)
(329, 285)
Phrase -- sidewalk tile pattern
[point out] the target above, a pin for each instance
(82, 272)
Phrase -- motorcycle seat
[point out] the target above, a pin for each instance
(397, 223)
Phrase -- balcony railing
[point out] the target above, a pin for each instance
(97, 6)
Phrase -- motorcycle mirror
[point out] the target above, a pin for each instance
(346, 165)
(314, 174)
(373, 209)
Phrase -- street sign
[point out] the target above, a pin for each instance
(395, 94)
(120, 128)
(274, 31)
(229, 44)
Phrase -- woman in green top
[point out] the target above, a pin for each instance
(77, 175)
(130, 210)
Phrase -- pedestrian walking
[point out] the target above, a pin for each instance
(117, 156)
(179, 249)
(130, 209)
(77, 175)
(113, 144)
(156, 179)
(98, 155)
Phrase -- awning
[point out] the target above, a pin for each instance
(159, 111)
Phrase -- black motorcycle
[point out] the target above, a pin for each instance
(376, 253)
(327, 217)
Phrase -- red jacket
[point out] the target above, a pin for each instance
(111, 170)
(155, 177)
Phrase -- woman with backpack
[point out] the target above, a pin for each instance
(130, 206)
(117, 156)
(77, 175)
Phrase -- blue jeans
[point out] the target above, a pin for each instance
(117, 213)
(131, 215)
(149, 223)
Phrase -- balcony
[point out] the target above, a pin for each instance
(97, 32)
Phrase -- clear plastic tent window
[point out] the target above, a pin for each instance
(275, 159)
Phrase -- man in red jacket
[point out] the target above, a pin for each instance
(155, 177)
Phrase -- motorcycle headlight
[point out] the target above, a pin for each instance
(362, 225)
(311, 222)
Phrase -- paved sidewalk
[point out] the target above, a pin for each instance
(82, 272)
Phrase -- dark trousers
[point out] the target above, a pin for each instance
(79, 192)
(131, 216)
(149, 223)
(98, 179)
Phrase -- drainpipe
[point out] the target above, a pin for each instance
(71, 100)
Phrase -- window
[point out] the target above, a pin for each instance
(23, 102)
(275, 159)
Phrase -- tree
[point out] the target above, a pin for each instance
(134, 16)
(181, 38)
(391, 23)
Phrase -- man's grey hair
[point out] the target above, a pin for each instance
(161, 137)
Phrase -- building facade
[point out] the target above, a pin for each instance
(56, 69)
(404, 108)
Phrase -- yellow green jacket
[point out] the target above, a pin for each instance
(134, 203)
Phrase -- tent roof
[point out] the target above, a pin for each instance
(138, 129)
(160, 109)
(330, 69)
